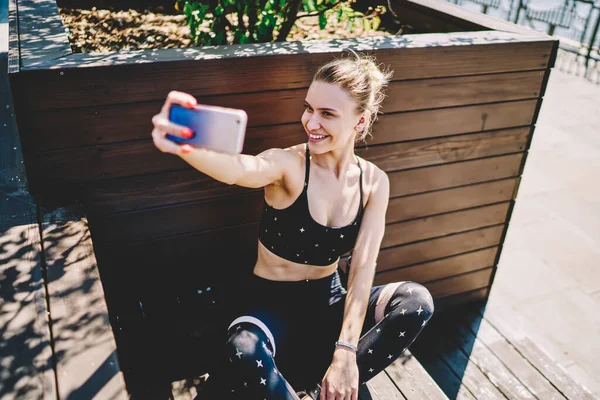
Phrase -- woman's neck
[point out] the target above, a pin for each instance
(337, 161)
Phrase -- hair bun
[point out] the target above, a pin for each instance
(377, 77)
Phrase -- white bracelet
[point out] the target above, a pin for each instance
(348, 345)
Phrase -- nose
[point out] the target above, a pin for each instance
(313, 123)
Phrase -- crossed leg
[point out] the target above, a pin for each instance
(396, 314)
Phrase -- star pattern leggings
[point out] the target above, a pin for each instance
(283, 338)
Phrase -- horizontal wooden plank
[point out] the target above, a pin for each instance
(460, 283)
(182, 219)
(452, 121)
(419, 153)
(125, 122)
(421, 180)
(142, 192)
(446, 267)
(433, 249)
(137, 158)
(150, 75)
(420, 205)
(84, 344)
(106, 162)
(447, 303)
(444, 224)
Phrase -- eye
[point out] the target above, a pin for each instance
(326, 113)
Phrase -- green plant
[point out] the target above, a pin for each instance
(216, 22)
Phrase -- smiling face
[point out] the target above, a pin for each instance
(329, 117)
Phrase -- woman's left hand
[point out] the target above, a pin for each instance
(341, 379)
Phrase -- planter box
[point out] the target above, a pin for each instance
(457, 124)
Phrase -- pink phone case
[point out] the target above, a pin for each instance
(217, 128)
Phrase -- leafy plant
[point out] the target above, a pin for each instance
(216, 22)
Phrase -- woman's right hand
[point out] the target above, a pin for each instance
(162, 125)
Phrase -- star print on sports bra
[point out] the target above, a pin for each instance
(294, 235)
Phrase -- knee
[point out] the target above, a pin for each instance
(247, 342)
(414, 298)
(243, 339)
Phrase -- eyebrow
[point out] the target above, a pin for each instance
(322, 109)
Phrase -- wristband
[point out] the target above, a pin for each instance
(348, 345)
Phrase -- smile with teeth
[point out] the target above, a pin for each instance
(316, 137)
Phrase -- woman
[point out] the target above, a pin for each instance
(297, 327)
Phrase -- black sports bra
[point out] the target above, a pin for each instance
(293, 234)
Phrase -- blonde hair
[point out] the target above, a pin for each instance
(363, 80)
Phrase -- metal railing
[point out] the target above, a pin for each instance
(577, 21)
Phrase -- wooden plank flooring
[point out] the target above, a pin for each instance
(25, 338)
(478, 357)
(82, 339)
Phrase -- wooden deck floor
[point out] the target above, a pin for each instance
(474, 354)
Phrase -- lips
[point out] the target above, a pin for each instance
(316, 138)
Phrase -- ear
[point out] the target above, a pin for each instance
(363, 120)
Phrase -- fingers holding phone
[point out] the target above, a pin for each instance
(181, 125)
(163, 126)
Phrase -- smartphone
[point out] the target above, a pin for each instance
(216, 128)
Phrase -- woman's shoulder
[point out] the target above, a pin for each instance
(297, 150)
(372, 173)
(374, 178)
(293, 153)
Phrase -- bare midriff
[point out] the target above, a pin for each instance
(272, 267)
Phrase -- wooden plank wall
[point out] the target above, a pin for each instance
(453, 146)
(453, 139)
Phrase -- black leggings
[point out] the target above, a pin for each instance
(283, 338)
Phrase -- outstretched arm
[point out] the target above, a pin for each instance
(235, 169)
(241, 169)
(342, 377)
